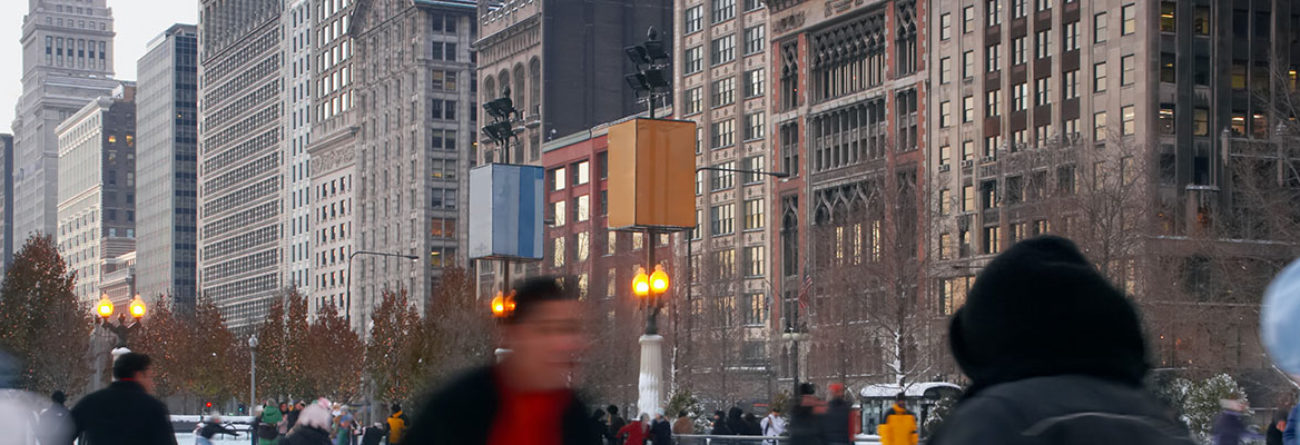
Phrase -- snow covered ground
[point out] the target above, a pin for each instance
(188, 439)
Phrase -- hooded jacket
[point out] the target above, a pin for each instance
(124, 414)
(1055, 355)
(898, 427)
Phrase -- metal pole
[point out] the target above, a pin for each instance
(252, 380)
(505, 278)
(652, 308)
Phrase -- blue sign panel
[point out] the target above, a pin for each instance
(505, 212)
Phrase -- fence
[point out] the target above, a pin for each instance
(704, 439)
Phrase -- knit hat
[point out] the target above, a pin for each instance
(1041, 309)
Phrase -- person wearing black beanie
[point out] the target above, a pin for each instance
(1055, 354)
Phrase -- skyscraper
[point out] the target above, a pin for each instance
(333, 154)
(242, 146)
(67, 61)
(296, 253)
(416, 119)
(6, 201)
(166, 171)
(96, 211)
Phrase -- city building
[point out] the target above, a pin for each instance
(333, 152)
(67, 61)
(1138, 129)
(167, 172)
(721, 67)
(242, 146)
(848, 104)
(563, 79)
(600, 262)
(417, 124)
(118, 281)
(6, 201)
(296, 252)
(96, 211)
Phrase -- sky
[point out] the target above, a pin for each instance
(136, 21)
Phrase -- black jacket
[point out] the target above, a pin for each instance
(212, 428)
(661, 432)
(462, 413)
(56, 426)
(1061, 410)
(835, 423)
(306, 435)
(123, 414)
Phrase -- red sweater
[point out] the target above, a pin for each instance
(636, 433)
(529, 418)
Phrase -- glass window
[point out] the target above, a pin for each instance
(559, 213)
(1099, 126)
(558, 252)
(993, 103)
(558, 179)
(1129, 115)
(945, 201)
(993, 57)
(1044, 42)
(724, 92)
(968, 109)
(581, 173)
(945, 26)
(755, 39)
(582, 208)
(945, 70)
(1099, 27)
(583, 246)
(724, 133)
(968, 198)
(694, 19)
(968, 64)
(754, 82)
(1099, 77)
(968, 19)
(722, 219)
(1167, 22)
(994, 10)
(694, 60)
(755, 266)
(693, 102)
(723, 10)
(723, 50)
(945, 114)
(755, 126)
(1019, 51)
(1070, 81)
(1127, 67)
(1128, 14)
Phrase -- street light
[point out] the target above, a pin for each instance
(502, 128)
(105, 308)
(252, 378)
(137, 307)
(651, 60)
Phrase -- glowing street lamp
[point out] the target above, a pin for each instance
(641, 284)
(502, 306)
(104, 308)
(137, 308)
(659, 280)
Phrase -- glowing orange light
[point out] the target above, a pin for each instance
(659, 280)
(641, 283)
(104, 308)
(137, 307)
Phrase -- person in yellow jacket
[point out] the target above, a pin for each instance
(396, 425)
(899, 425)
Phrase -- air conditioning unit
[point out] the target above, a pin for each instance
(987, 159)
(967, 163)
(944, 168)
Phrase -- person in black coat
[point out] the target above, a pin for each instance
(124, 413)
(56, 422)
(616, 423)
(661, 430)
(720, 427)
(736, 421)
(314, 423)
(1055, 355)
(545, 336)
(213, 427)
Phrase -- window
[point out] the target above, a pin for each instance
(1044, 5)
(582, 208)
(1099, 77)
(725, 262)
(967, 150)
(582, 247)
(751, 5)
(994, 10)
(1099, 126)
(1126, 70)
(1070, 81)
(1019, 97)
(722, 219)
(611, 243)
(692, 102)
(722, 180)
(559, 213)
(968, 19)
(1201, 122)
(945, 246)
(1099, 27)
(1043, 91)
(993, 57)
(1201, 20)
(991, 239)
(945, 70)
(755, 123)
(753, 164)
(1071, 36)
(755, 315)
(754, 82)
(1167, 69)
(723, 50)
(558, 179)
(1019, 51)
(754, 39)
(723, 10)
(945, 26)
(945, 114)
(993, 103)
(945, 201)
(694, 60)
(1018, 9)
(968, 198)
(694, 19)
(581, 173)
(558, 253)
(1128, 14)
(755, 266)
(724, 92)
(1065, 183)
(991, 145)
(968, 64)
(968, 109)
(1044, 41)
(724, 133)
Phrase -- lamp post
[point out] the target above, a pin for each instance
(348, 314)
(122, 329)
(651, 60)
(649, 290)
(252, 376)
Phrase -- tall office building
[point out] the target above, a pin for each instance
(564, 79)
(296, 264)
(1157, 104)
(166, 171)
(333, 152)
(721, 71)
(67, 61)
(847, 106)
(96, 211)
(6, 201)
(242, 146)
(417, 121)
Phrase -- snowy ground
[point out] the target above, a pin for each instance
(188, 439)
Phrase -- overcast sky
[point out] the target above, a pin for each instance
(137, 22)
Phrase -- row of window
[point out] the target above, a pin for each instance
(1128, 17)
(722, 10)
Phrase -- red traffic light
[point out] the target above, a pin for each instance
(209, 404)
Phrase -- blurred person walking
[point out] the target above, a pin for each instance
(268, 424)
(1290, 436)
(898, 427)
(661, 431)
(1229, 427)
(397, 425)
(683, 424)
(635, 432)
(291, 417)
(598, 424)
(836, 429)
(55, 427)
(1055, 355)
(772, 425)
(525, 398)
(373, 434)
(124, 412)
(313, 428)
(616, 423)
(1273, 436)
(805, 417)
(343, 427)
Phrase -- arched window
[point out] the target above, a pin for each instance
(535, 86)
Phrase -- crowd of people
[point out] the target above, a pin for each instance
(323, 423)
